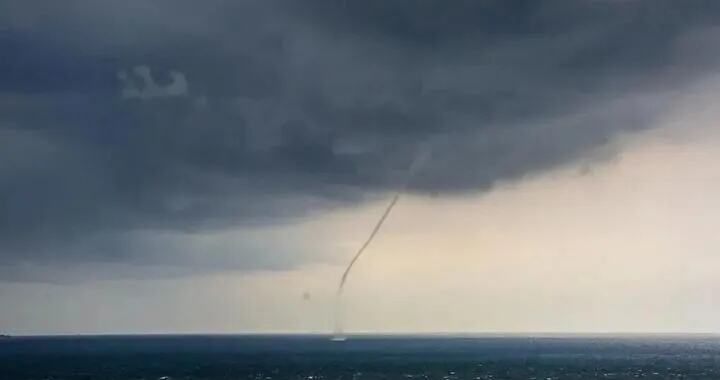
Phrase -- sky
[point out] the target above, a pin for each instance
(212, 167)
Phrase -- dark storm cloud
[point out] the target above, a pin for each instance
(142, 117)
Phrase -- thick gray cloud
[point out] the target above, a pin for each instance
(123, 119)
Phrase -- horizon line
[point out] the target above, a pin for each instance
(370, 334)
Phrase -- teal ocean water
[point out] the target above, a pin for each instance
(315, 357)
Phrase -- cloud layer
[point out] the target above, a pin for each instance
(123, 123)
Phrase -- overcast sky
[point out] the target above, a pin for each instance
(185, 166)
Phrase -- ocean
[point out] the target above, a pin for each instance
(366, 357)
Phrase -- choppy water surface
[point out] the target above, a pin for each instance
(360, 358)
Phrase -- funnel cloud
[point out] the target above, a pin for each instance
(134, 134)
